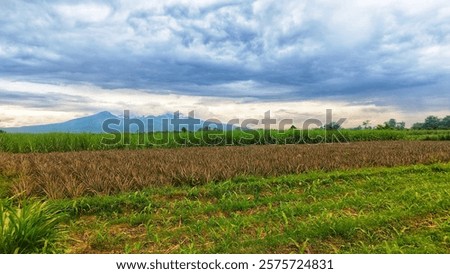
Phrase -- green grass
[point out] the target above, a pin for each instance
(63, 142)
(30, 227)
(377, 210)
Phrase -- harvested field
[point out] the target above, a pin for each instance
(75, 174)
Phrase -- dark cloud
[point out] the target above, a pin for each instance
(287, 50)
(49, 100)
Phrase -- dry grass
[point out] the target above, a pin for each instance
(74, 174)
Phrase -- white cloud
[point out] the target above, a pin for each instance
(83, 13)
(435, 56)
(145, 102)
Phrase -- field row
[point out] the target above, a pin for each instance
(75, 174)
(64, 142)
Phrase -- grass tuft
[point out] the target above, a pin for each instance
(30, 227)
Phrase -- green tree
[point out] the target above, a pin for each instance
(400, 125)
(391, 124)
(366, 124)
(332, 126)
(417, 126)
(431, 122)
(445, 122)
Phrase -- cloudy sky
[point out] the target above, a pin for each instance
(366, 60)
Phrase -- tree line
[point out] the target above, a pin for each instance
(433, 122)
(430, 123)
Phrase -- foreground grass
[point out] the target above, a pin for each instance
(29, 227)
(377, 210)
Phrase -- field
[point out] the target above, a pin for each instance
(381, 210)
(75, 174)
(66, 142)
(358, 197)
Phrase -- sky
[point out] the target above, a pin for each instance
(365, 60)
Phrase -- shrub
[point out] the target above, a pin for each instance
(32, 227)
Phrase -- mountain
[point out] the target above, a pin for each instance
(95, 123)
(91, 123)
